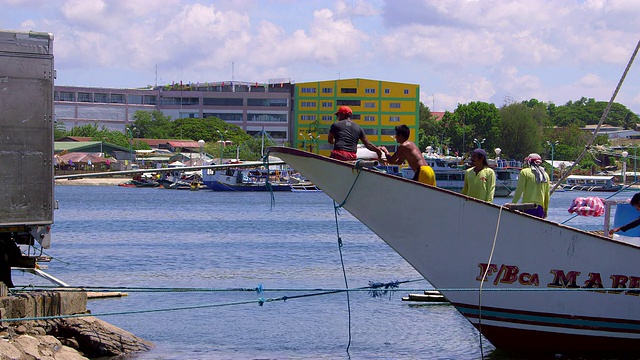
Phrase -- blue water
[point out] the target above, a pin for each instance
(143, 237)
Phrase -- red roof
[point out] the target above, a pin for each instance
(83, 158)
(184, 144)
(438, 115)
(155, 143)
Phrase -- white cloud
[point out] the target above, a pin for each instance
(457, 50)
(590, 81)
(463, 48)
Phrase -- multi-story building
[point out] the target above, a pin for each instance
(112, 108)
(251, 106)
(378, 106)
(299, 114)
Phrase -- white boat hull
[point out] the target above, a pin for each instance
(534, 298)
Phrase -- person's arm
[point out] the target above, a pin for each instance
(545, 198)
(491, 185)
(465, 187)
(331, 138)
(630, 225)
(519, 188)
(369, 145)
(397, 158)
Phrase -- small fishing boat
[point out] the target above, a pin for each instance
(591, 183)
(237, 179)
(128, 183)
(145, 183)
(527, 284)
(305, 186)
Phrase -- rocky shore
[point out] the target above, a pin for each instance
(66, 338)
(92, 181)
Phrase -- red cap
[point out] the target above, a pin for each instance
(344, 110)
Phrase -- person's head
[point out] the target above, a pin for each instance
(635, 201)
(344, 112)
(479, 156)
(402, 133)
(533, 159)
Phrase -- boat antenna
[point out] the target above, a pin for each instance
(604, 116)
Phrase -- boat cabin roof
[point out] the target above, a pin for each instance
(590, 177)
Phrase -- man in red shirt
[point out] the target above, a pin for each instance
(344, 135)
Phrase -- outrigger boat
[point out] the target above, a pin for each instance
(548, 287)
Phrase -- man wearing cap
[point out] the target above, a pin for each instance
(409, 151)
(344, 135)
(480, 180)
(533, 186)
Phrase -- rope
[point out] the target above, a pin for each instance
(484, 276)
(604, 116)
(351, 189)
(260, 301)
(389, 287)
(336, 211)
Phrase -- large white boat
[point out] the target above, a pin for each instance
(450, 171)
(527, 284)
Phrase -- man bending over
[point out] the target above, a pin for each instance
(409, 151)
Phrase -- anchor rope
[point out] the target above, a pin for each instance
(336, 212)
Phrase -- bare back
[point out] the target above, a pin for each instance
(409, 151)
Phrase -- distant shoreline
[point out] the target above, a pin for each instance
(91, 181)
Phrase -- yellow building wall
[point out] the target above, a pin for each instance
(382, 106)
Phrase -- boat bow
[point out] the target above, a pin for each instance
(540, 288)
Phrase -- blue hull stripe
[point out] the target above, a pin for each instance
(552, 320)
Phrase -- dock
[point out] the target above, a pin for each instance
(105, 294)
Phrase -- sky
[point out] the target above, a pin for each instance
(458, 51)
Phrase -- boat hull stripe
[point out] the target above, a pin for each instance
(551, 320)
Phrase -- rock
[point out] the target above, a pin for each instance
(8, 351)
(70, 343)
(28, 345)
(97, 338)
(67, 353)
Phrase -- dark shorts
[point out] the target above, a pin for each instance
(343, 155)
(539, 212)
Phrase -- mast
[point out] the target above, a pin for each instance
(262, 145)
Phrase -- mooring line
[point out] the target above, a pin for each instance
(260, 301)
(336, 211)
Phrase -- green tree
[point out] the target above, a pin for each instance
(207, 129)
(59, 131)
(475, 120)
(88, 130)
(520, 131)
(571, 141)
(430, 131)
(151, 125)
(456, 131)
(588, 111)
